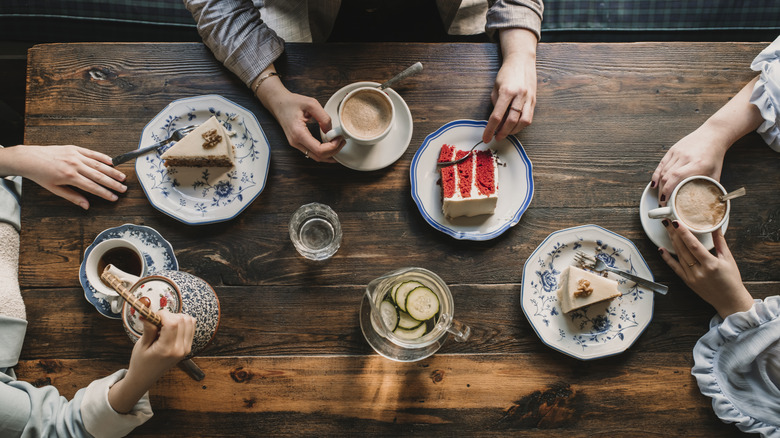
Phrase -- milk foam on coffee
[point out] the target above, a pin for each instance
(366, 114)
(697, 204)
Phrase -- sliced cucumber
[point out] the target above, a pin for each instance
(422, 303)
(412, 334)
(389, 314)
(402, 291)
(407, 322)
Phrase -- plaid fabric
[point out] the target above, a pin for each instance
(154, 12)
(559, 15)
(658, 15)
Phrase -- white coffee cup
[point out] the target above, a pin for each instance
(365, 116)
(120, 253)
(695, 203)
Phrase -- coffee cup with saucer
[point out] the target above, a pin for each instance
(382, 153)
(655, 230)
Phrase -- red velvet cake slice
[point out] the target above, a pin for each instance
(469, 188)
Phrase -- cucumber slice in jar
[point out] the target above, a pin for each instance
(422, 304)
(410, 335)
(407, 322)
(389, 314)
(402, 291)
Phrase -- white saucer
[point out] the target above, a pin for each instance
(387, 151)
(656, 231)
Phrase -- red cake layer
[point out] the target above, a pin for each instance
(465, 173)
(447, 173)
(485, 183)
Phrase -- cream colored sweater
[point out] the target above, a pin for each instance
(11, 303)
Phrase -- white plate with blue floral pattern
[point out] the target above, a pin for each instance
(205, 195)
(158, 255)
(599, 330)
(515, 182)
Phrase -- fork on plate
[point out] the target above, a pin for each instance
(598, 265)
(175, 136)
(450, 163)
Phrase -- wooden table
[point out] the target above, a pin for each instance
(289, 357)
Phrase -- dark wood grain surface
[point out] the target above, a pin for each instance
(289, 357)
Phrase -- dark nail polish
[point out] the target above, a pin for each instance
(663, 198)
(676, 224)
(660, 250)
(652, 184)
(665, 223)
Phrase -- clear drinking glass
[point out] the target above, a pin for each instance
(315, 231)
(386, 342)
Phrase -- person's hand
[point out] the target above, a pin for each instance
(701, 152)
(153, 354)
(715, 278)
(698, 153)
(514, 91)
(294, 112)
(59, 168)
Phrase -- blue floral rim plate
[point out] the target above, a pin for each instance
(157, 253)
(199, 196)
(515, 182)
(599, 330)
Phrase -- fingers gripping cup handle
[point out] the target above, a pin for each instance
(333, 133)
(659, 213)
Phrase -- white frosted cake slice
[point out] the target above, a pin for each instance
(207, 146)
(469, 188)
(580, 288)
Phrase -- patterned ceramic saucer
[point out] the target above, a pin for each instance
(158, 255)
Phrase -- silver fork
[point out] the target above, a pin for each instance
(175, 136)
(450, 163)
(597, 264)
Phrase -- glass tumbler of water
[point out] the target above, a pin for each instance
(315, 231)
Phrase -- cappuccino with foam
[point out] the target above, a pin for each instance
(367, 113)
(698, 204)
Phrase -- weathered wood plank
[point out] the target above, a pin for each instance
(491, 395)
(319, 320)
(256, 249)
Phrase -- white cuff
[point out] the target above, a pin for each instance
(101, 420)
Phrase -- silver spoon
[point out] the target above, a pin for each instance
(412, 70)
(735, 194)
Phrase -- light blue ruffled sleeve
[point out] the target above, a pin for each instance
(766, 93)
(737, 364)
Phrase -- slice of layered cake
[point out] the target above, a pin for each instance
(469, 188)
(580, 288)
(207, 146)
